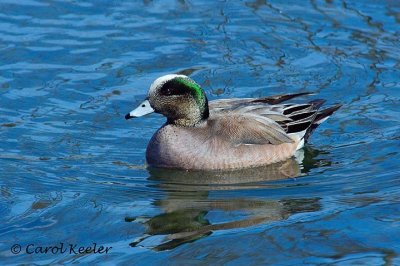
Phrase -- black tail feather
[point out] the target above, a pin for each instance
(322, 114)
(301, 116)
(298, 127)
(317, 103)
(326, 112)
(292, 109)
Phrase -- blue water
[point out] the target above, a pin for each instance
(73, 170)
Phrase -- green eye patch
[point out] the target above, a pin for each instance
(197, 91)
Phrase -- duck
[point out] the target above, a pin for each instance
(225, 134)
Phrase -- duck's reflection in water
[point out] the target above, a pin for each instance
(190, 212)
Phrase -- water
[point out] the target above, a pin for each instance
(73, 170)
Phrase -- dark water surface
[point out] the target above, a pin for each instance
(73, 170)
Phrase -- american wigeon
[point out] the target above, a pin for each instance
(228, 133)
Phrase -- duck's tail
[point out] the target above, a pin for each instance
(321, 116)
(306, 118)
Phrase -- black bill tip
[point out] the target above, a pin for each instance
(128, 116)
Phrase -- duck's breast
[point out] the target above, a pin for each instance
(177, 147)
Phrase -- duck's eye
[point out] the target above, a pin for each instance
(168, 91)
(172, 88)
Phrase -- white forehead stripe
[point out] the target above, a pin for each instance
(161, 80)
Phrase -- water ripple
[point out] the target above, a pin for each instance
(73, 170)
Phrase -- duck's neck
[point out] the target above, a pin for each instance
(193, 117)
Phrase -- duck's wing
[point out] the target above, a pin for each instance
(234, 103)
(298, 119)
(247, 128)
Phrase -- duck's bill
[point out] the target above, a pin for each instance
(143, 109)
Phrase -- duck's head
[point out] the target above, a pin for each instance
(177, 97)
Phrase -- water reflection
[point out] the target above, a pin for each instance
(191, 211)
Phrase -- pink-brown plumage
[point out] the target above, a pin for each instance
(225, 134)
